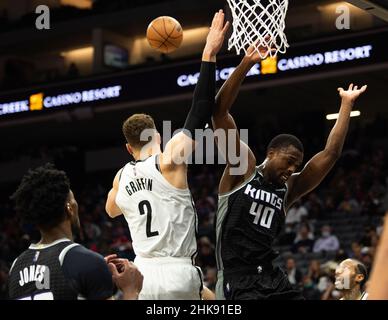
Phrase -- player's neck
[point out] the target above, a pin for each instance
(56, 233)
(353, 294)
(265, 171)
(140, 155)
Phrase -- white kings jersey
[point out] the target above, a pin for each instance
(161, 218)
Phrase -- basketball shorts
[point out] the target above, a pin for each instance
(256, 283)
(169, 278)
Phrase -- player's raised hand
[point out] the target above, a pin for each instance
(216, 36)
(352, 93)
(256, 53)
(127, 278)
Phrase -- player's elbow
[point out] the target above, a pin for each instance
(111, 209)
(108, 209)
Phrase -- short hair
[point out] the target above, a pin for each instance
(284, 141)
(134, 126)
(361, 269)
(41, 196)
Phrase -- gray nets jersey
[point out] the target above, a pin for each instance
(161, 218)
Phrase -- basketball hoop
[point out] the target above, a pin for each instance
(259, 22)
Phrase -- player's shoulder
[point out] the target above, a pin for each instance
(88, 273)
(19, 258)
(77, 261)
(77, 253)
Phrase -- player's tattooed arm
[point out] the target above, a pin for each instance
(111, 207)
(378, 285)
(319, 166)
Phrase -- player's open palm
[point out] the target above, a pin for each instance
(217, 33)
(352, 93)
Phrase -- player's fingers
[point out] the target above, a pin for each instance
(364, 88)
(226, 27)
(214, 20)
(340, 90)
(220, 19)
(125, 264)
(110, 257)
(113, 270)
(117, 261)
(350, 86)
(355, 88)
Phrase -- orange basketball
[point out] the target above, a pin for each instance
(165, 34)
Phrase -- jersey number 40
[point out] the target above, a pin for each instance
(263, 215)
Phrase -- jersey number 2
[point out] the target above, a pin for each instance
(145, 208)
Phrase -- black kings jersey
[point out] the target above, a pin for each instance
(62, 270)
(247, 222)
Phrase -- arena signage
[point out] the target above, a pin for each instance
(272, 65)
(40, 101)
(169, 80)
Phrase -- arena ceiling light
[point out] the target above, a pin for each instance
(334, 116)
(81, 4)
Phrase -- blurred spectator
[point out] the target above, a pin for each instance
(288, 236)
(310, 292)
(206, 255)
(327, 241)
(294, 274)
(367, 260)
(295, 214)
(349, 204)
(356, 251)
(314, 206)
(206, 229)
(329, 204)
(210, 278)
(314, 271)
(304, 242)
(369, 236)
(326, 282)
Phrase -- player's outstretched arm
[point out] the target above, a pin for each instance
(378, 285)
(223, 121)
(320, 165)
(111, 207)
(179, 148)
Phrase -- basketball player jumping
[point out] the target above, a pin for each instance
(56, 268)
(252, 206)
(152, 192)
(350, 278)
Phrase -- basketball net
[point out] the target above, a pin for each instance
(259, 22)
